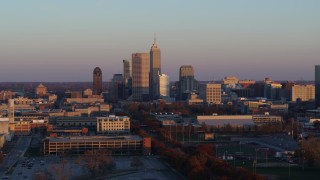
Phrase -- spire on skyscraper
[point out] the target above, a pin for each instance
(155, 44)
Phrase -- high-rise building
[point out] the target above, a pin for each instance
(127, 78)
(303, 92)
(164, 85)
(97, 81)
(187, 83)
(272, 91)
(317, 85)
(126, 71)
(140, 76)
(213, 93)
(117, 87)
(155, 69)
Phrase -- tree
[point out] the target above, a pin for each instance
(98, 161)
(206, 149)
(60, 171)
(1, 156)
(316, 124)
(312, 151)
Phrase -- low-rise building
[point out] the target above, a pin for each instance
(119, 145)
(194, 99)
(90, 122)
(239, 120)
(168, 119)
(85, 100)
(22, 127)
(113, 124)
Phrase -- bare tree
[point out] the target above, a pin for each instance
(99, 161)
(60, 171)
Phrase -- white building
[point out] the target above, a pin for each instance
(230, 81)
(113, 124)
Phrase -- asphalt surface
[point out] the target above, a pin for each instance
(15, 155)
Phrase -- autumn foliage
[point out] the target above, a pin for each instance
(199, 162)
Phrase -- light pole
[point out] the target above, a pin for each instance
(289, 169)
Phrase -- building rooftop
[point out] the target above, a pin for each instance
(93, 138)
(4, 119)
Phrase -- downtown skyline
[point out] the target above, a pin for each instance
(64, 41)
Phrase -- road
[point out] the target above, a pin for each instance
(16, 153)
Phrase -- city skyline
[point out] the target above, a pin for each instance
(61, 41)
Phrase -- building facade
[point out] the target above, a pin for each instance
(187, 83)
(140, 76)
(127, 78)
(164, 86)
(118, 145)
(303, 92)
(41, 90)
(317, 85)
(155, 69)
(213, 93)
(113, 124)
(97, 81)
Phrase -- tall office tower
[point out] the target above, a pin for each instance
(126, 72)
(155, 69)
(164, 85)
(117, 87)
(187, 83)
(317, 84)
(97, 81)
(127, 78)
(303, 92)
(213, 93)
(140, 76)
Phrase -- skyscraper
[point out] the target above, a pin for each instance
(97, 81)
(117, 89)
(155, 69)
(164, 86)
(126, 71)
(140, 76)
(127, 78)
(187, 83)
(317, 85)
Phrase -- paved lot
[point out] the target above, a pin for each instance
(153, 168)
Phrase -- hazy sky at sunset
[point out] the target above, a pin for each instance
(63, 40)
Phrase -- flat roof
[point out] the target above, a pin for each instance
(223, 122)
(94, 138)
(4, 119)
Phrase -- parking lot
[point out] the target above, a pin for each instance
(30, 168)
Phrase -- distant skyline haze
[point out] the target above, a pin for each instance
(61, 41)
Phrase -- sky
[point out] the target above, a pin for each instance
(58, 40)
